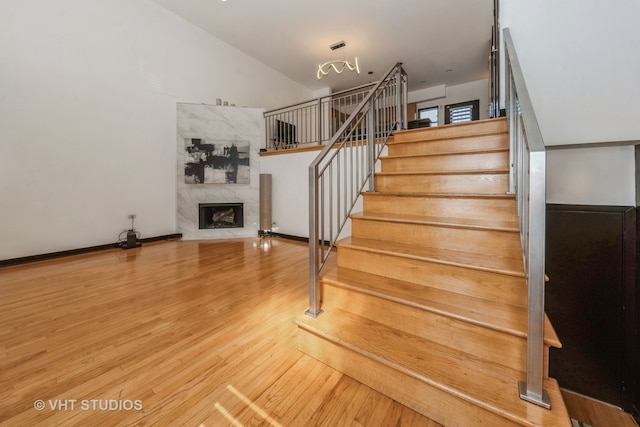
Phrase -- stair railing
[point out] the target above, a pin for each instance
(346, 164)
(528, 181)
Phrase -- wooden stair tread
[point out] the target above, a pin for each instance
(399, 136)
(457, 130)
(508, 266)
(447, 172)
(473, 205)
(491, 314)
(469, 223)
(493, 388)
(471, 151)
(500, 196)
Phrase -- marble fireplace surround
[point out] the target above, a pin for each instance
(218, 124)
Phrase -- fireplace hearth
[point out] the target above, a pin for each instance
(220, 215)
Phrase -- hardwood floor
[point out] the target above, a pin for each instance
(173, 333)
(596, 413)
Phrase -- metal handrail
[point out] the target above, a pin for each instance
(340, 172)
(528, 182)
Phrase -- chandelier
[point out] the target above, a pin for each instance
(337, 65)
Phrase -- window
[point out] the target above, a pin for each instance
(462, 112)
(429, 113)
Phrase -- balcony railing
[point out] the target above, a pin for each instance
(528, 182)
(312, 122)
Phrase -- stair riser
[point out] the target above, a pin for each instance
(454, 131)
(483, 161)
(418, 147)
(425, 398)
(495, 347)
(496, 243)
(478, 283)
(447, 207)
(464, 183)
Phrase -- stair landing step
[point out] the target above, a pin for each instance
(467, 129)
(494, 264)
(493, 388)
(467, 223)
(490, 314)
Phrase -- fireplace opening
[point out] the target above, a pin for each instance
(220, 215)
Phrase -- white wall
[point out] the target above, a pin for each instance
(444, 95)
(591, 176)
(580, 63)
(427, 94)
(88, 116)
(290, 192)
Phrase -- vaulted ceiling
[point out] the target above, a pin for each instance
(438, 41)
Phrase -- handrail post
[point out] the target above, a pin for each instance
(399, 94)
(314, 245)
(513, 117)
(533, 390)
(319, 123)
(405, 100)
(529, 160)
(371, 143)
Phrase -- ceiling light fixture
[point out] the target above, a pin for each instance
(337, 65)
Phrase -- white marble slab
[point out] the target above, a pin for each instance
(217, 124)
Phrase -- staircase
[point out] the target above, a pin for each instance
(426, 302)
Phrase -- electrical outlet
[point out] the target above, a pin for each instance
(132, 216)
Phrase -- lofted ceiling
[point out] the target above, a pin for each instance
(438, 41)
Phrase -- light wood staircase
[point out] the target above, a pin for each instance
(426, 301)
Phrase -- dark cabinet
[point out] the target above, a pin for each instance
(592, 301)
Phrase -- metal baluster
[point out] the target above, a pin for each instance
(314, 247)
(370, 144)
(319, 120)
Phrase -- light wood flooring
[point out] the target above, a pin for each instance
(200, 333)
(595, 413)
